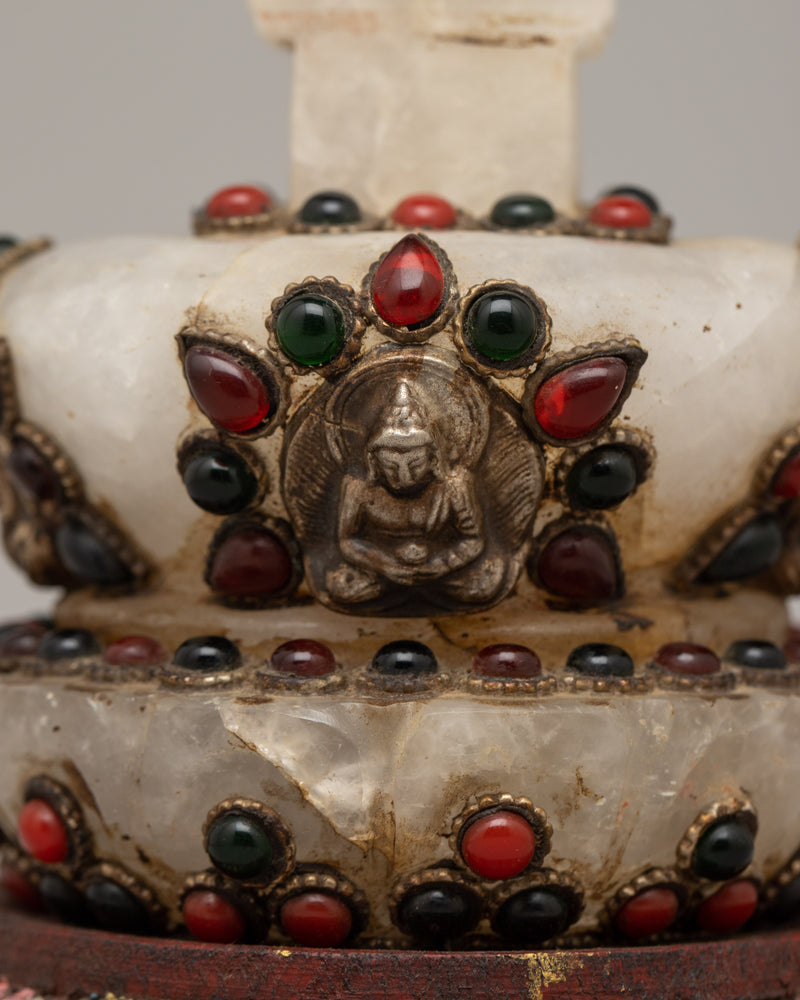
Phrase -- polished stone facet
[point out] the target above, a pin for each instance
(651, 911)
(757, 547)
(316, 920)
(579, 564)
(687, 658)
(600, 659)
(31, 472)
(229, 392)
(115, 908)
(725, 849)
(69, 643)
(253, 562)
(303, 658)
(330, 208)
(87, 556)
(239, 846)
(135, 651)
(64, 899)
(406, 657)
(211, 917)
(578, 399)
(602, 478)
(408, 285)
(424, 211)
(522, 211)
(435, 914)
(220, 480)
(729, 908)
(632, 191)
(238, 200)
(507, 660)
(42, 832)
(621, 212)
(208, 654)
(310, 329)
(532, 916)
(501, 326)
(756, 654)
(499, 845)
(786, 482)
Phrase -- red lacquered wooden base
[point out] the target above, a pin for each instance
(52, 958)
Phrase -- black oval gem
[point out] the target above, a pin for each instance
(404, 657)
(87, 557)
(208, 654)
(330, 208)
(757, 654)
(220, 481)
(600, 659)
(724, 850)
(438, 913)
(786, 902)
(31, 472)
(63, 899)
(522, 211)
(7, 242)
(116, 909)
(757, 546)
(632, 191)
(533, 916)
(602, 478)
(69, 643)
(502, 326)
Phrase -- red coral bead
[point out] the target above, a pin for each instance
(316, 920)
(42, 832)
(303, 658)
(23, 891)
(238, 200)
(507, 661)
(228, 392)
(408, 286)
(253, 562)
(135, 651)
(651, 911)
(499, 845)
(579, 564)
(426, 211)
(576, 400)
(621, 212)
(729, 908)
(210, 917)
(687, 658)
(786, 483)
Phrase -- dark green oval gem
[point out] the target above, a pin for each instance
(310, 329)
(521, 211)
(757, 546)
(502, 326)
(240, 846)
(724, 850)
(603, 478)
(220, 481)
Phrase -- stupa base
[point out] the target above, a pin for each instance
(55, 960)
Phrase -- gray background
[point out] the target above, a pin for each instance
(119, 116)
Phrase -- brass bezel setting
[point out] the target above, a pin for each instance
(637, 442)
(324, 879)
(546, 878)
(653, 878)
(741, 808)
(485, 805)
(245, 901)
(270, 822)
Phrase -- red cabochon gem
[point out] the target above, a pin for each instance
(651, 911)
(729, 908)
(579, 564)
(499, 845)
(42, 832)
(576, 400)
(238, 200)
(621, 211)
(227, 391)
(303, 658)
(316, 920)
(507, 660)
(426, 211)
(408, 286)
(210, 917)
(253, 562)
(687, 658)
(135, 651)
(786, 483)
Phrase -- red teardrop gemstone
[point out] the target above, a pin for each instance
(408, 286)
(237, 200)
(621, 212)
(499, 845)
(135, 651)
(507, 660)
(228, 392)
(729, 908)
(253, 562)
(576, 400)
(580, 564)
(651, 911)
(42, 832)
(303, 658)
(424, 211)
(316, 920)
(687, 658)
(210, 917)
(786, 483)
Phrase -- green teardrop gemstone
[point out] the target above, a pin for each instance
(310, 329)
